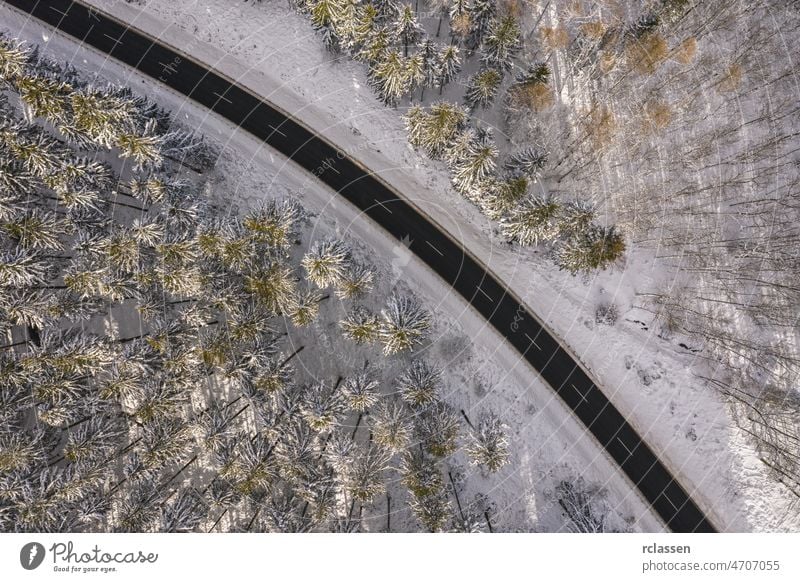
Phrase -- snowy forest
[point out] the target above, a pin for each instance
(155, 372)
(599, 128)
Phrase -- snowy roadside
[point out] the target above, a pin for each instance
(680, 418)
(484, 374)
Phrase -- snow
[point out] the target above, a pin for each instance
(270, 49)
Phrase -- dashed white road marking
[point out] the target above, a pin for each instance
(581, 394)
(434, 248)
(379, 203)
(116, 40)
(533, 341)
(485, 294)
(224, 98)
(630, 452)
(276, 130)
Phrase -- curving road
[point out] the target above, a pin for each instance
(429, 243)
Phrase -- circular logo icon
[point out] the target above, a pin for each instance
(31, 555)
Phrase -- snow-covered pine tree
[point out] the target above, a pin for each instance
(597, 247)
(363, 478)
(326, 262)
(407, 28)
(13, 58)
(434, 131)
(533, 221)
(389, 77)
(419, 383)
(324, 14)
(321, 406)
(356, 281)
(305, 307)
(482, 88)
(391, 425)
(361, 326)
(430, 65)
(575, 217)
(404, 324)
(488, 443)
(501, 43)
(449, 64)
(501, 196)
(436, 427)
(527, 162)
(361, 390)
(481, 13)
(415, 71)
(474, 164)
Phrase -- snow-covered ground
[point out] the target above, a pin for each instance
(274, 52)
(481, 372)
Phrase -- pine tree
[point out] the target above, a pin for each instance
(361, 326)
(326, 262)
(305, 307)
(361, 391)
(528, 162)
(415, 71)
(434, 131)
(363, 478)
(449, 65)
(575, 217)
(273, 286)
(482, 88)
(482, 13)
(488, 445)
(404, 323)
(501, 43)
(474, 164)
(13, 58)
(429, 56)
(389, 77)
(419, 384)
(532, 222)
(356, 282)
(595, 248)
(407, 27)
(501, 196)
(437, 429)
(391, 425)
(321, 406)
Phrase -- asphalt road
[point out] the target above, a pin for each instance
(430, 244)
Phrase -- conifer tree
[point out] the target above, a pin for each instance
(488, 444)
(407, 28)
(419, 383)
(361, 391)
(528, 162)
(391, 425)
(482, 88)
(597, 247)
(326, 262)
(361, 326)
(532, 222)
(501, 43)
(474, 163)
(449, 65)
(389, 77)
(437, 429)
(404, 323)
